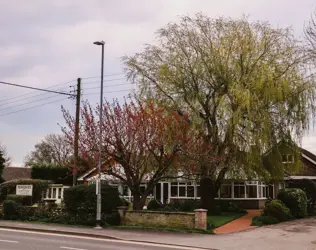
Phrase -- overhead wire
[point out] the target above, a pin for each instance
(107, 92)
(110, 80)
(115, 74)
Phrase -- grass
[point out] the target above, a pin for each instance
(222, 219)
(165, 229)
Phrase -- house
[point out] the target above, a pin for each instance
(250, 194)
(13, 173)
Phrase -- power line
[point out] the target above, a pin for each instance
(33, 107)
(113, 85)
(91, 77)
(26, 98)
(28, 87)
(106, 92)
(35, 91)
(46, 98)
(110, 80)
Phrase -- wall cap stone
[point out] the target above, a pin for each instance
(200, 210)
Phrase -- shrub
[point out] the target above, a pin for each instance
(9, 187)
(309, 187)
(277, 210)
(264, 220)
(81, 199)
(56, 174)
(295, 199)
(11, 210)
(154, 205)
(23, 200)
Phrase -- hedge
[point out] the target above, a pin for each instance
(9, 187)
(23, 200)
(295, 199)
(81, 199)
(278, 210)
(59, 175)
(264, 220)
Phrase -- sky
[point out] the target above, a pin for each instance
(48, 43)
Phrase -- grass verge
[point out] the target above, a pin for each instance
(222, 219)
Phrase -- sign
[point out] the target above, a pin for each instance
(26, 190)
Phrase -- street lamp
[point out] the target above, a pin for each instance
(98, 189)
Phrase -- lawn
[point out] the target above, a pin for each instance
(219, 220)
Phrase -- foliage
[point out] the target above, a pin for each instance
(11, 210)
(264, 220)
(310, 35)
(154, 205)
(2, 165)
(53, 150)
(309, 187)
(141, 141)
(243, 83)
(39, 188)
(56, 174)
(5, 155)
(21, 199)
(295, 199)
(229, 206)
(81, 199)
(277, 210)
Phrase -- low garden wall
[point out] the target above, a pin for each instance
(196, 220)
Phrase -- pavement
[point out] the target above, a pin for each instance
(241, 224)
(293, 235)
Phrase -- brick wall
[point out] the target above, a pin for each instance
(163, 219)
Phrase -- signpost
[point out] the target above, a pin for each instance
(25, 190)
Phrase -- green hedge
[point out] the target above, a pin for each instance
(264, 220)
(11, 210)
(295, 199)
(23, 200)
(277, 210)
(59, 175)
(81, 199)
(9, 187)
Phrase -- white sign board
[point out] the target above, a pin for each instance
(26, 190)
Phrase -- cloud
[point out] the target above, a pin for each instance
(44, 43)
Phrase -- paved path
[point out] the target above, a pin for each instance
(241, 224)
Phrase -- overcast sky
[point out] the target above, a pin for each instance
(47, 43)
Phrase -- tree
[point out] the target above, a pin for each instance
(310, 35)
(53, 150)
(2, 165)
(246, 86)
(143, 140)
(5, 155)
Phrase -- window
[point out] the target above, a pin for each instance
(59, 193)
(287, 158)
(226, 191)
(190, 191)
(251, 191)
(182, 189)
(239, 190)
(125, 191)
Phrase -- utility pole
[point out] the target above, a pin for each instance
(76, 137)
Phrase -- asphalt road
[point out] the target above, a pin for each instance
(23, 240)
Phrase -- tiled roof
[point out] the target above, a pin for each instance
(12, 173)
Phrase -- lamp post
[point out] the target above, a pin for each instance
(98, 184)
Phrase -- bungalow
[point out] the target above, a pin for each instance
(250, 194)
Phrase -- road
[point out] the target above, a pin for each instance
(24, 240)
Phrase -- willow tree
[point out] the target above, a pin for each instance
(310, 35)
(245, 85)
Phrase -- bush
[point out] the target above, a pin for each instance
(81, 199)
(23, 200)
(295, 199)
(264, 220)
(154, 205)
(9, 187)
(56, 174)
(11, 210)
(277, 210)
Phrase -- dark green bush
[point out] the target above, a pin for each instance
(81, 199)
(23, 200)
(264, 220)
(154, 205)
(11, 210)
(56, 174)
(112, 219)
(277, 210)
(295, 199)
(9, 187)
(309, 187)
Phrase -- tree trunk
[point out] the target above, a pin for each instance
(208, 194)
(138, 202)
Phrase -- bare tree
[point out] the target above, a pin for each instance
(7, 158)
(54, 149)
(310, 35)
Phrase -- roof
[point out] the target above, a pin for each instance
(12, 173)
(308, 155)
